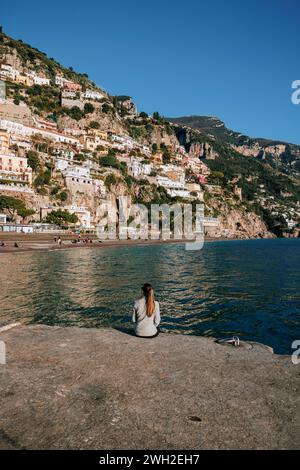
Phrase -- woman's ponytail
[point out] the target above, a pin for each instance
(148, 292)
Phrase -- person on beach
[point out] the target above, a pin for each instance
(146, 314)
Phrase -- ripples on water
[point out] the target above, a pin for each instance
(249, 288)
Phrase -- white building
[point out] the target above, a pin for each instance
(174, 188)
(124, 140)
(146, 149)
(67, 84)
(179, 193)
(61, 164)
(168, 183)
(8, 72)
(3, 218)
(77, 171)
(92, 95)
(38, 80)
(291, 223)
(20, 129)
(66, 154)
(60, 81)
(137, 168)
(83, 214)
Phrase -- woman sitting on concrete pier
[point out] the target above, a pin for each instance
(146, 314)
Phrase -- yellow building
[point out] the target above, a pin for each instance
(195, 188)
(24, 80)
(15, 169)
(157, 157)
(96, 132)
(4, 142)
(93, 142)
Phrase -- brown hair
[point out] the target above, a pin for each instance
(148, 292)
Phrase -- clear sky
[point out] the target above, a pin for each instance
(235, 59)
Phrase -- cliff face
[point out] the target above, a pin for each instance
(234, 223)
(265, 174)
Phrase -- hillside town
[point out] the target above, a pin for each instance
(75, 154)
(67, 147)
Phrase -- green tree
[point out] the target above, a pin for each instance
(14, 206)
(166, 156)
(24, 212)
(110, 181)
(63, 196)
(33, 160)
(154, 148)
(79, 157)
(75, 113)
(110, 160)
(61, 217)
(106, 108)
(94, 125)
(88, 108)
(111, 152)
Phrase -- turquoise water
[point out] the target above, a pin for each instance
(248, 288)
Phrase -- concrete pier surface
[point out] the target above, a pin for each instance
(78, 388)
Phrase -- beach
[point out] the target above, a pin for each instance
(41, 242)
(86, 388)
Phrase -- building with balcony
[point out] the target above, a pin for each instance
(37, 80)
(92, 95)
(67, 84)
(83, 214)
(15, 169)
(4, 142)
(137, 168)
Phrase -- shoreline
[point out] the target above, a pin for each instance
(44, 242)
(87, 388)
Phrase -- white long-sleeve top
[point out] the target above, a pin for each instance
(144, 325)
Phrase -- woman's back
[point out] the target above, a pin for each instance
(145, 325)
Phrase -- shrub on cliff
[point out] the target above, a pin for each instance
(33, 160)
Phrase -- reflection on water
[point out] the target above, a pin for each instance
(249, 288)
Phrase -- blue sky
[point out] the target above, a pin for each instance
(235, 59)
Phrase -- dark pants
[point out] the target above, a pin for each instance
(154, 336)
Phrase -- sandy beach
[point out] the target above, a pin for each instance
(41, 242)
